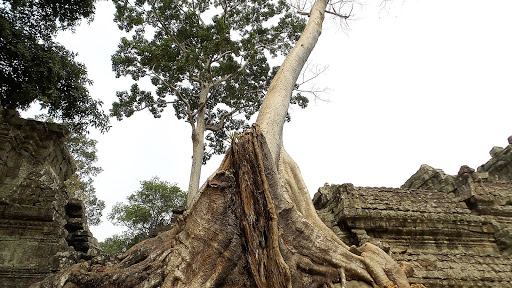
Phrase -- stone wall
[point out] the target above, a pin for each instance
(41, 228)
(429, 178)
(499, 168)
(446, 230)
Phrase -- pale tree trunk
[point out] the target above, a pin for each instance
(198, 147)
(252, 224)
(273, 110)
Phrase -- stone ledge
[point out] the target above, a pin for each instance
(434, 232)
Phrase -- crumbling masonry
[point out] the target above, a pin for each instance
(447, 231)
(42, 229)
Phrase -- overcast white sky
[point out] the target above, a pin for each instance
(418, 82)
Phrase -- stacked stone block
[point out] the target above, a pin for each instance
(41, 228)
(448, 230)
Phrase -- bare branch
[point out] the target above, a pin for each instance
(328, 12)
(339, 15)
(335, 8)
(219, 57)
(300, 6)
(315, 70)
(316, 92)
(201, 106)
(303, 13)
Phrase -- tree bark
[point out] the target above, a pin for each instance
(273, 110)
(198, 147)
(243, 231)
(253, 223)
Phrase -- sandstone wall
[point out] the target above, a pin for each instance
(499, 168)
(446, 230)
(41, 228)
(429, 178)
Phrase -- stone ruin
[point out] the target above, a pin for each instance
(445, 230)
(42, 228)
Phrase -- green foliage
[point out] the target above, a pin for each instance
(148, 210)
(84, 152)
(35, 69)
(184, 46)
(84, 190)
(118, 244)
(43, 18)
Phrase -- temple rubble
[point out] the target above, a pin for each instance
(42, 227)
(445, 230)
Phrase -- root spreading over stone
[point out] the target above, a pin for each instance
(251, 226)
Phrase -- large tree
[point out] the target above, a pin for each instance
(253, 224)
(36, 69)
(208, 59)
(149, 210)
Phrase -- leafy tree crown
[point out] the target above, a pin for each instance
(148, 208)
(35, 69)
(185, 46)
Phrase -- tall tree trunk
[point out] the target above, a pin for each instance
(252, 224)
(273, 110)
(271, 116)
(198, 147)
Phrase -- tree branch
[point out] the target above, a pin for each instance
(220, 125)
(315, 92)
(194, 8)
(201, 106)
(316, 73)
(340, 15)
(180, 97)
(220, 56)
(164, 27)
(333, 12)
(226, 77)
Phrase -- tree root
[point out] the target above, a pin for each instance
(251, 226)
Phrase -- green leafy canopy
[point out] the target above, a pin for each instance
(84, 153)
(36, 69)
(149, 207)
(148, 210)
(186, 46)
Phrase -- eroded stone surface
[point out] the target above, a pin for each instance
(499, 167)
(447, 230)
(429, 178)
(41, 228)
(445, 243)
